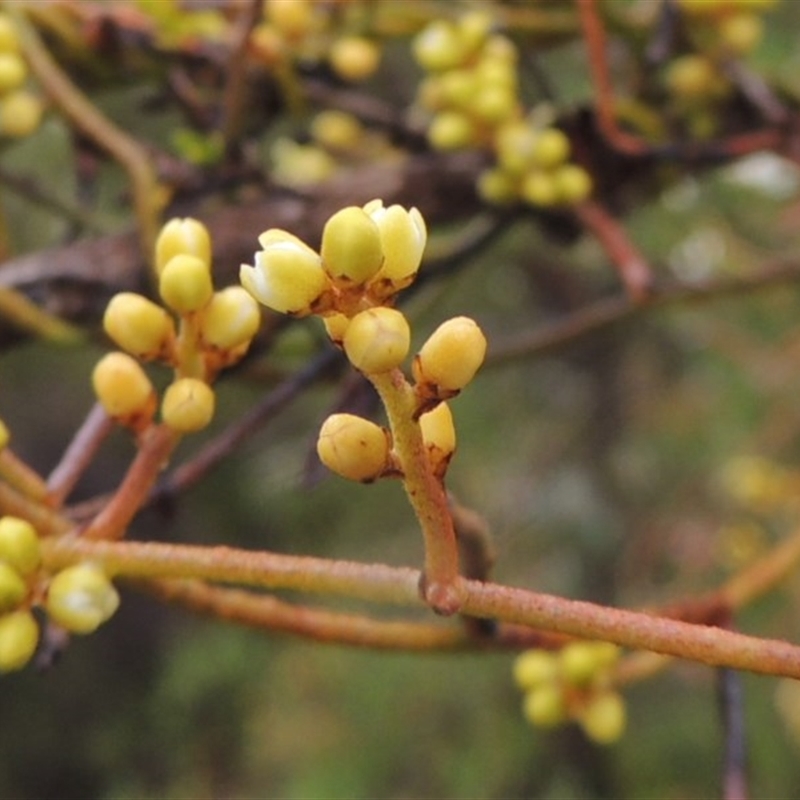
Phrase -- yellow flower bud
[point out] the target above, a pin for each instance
(138, 325)
(603, 718)
(5, 435)
(377, 340)
(493, 103)
(533, 668)
(439, 47)
(353, 447)
(80, 598)
(188, 405)
(231, 319)
(12, 587)
(578, 662)
(354, 58)
(19, 636)
(122, 387)
(19, 545)
(185, 236)
(539, 189)
(551, 147)
(293, 18)
(497, 186)
(351, 246)
(287, 275)
(336, 326)
(337, 130)
(452, 355)
(439, 436)
(185, 284)
(20, 114)
(9, 38)
(452, 130)
(573, 184)
(403, 237)
(12, 72)
(545, 706)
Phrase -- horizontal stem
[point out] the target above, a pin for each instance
(381, 583)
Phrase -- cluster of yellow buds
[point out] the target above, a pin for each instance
(718, 30)
(572, 685)
(175, 24)
(305, 29)
(472, 92)
(760, 485)
(78, 598)
(214, 330)
(533, 164)
(367, 255)
(20, 109)
(472, 84)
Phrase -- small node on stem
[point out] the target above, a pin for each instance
(444, 597)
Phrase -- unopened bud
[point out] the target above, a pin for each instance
(353, 447)
(19, 636)
(377, 340)
(80, 598)
(188, 405)
(138, 325)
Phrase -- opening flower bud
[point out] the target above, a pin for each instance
(377, 340)
(138, 325)
(122, 387)
(452, 355)
(403, 237)
(19, 636)
(12, 587)
(287, 275)
(188, 405)
(439, 436)
(80, 598)
(19, 545)
(351, 246)
(185, 236)
(231, 318)
(353, 447)
(185, 284)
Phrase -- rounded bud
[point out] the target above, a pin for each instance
(377, 340)
(354, 58)
(19, 545)
(497, 186)
(573, 184)
(603, 718)
(80, 598)
(12, 72)
(287, 275)
(19, 636)
(353, 447)
(439, 436)
(185, 236)
(452, 355)
(231, 319)
(439, 47)
(21, 114)
(122, 387)
(550, 148)
(185, 283)
(336, 325)
(293, 18)
(351, 246)
(12, 587)
(188, 405)
(403, 237)
(138, 325)
(337, 130)
(578, 662)
(451, 130)
(741, 32)
(5, 435)
(534, 668)
(545, 706)
(539, 189)
(9, 38)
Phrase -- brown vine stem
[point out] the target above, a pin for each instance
(399, 586)
(87, 118)
(157, 443)
(25, 315)
(441, 584)
(78, 455)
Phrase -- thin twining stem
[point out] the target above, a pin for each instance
(399, 586)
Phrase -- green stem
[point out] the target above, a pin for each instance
(441, 584)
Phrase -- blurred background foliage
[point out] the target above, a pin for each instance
(597, 465)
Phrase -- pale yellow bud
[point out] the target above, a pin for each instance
(12, 72)
(185, 284)
(545, 706)
(551, 147)
(122, 387)
(534, 668)
(573, 184)
(188, 405)
(377, 340)
(439, 436)
(183, 237)
(351, 246)
(452, 355)
(231, 319)
(19, 545)
(336, 325)
(604, 717)
(21, 114)
(354, 58)
(19, 636)
(578, 662)
(5, 435)
(403, 237)
(439, 47)
(138, 325)
(293, 18)
(80, 598)
(353, 447)
(287, 275)
(9, 38)
(12, 587)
